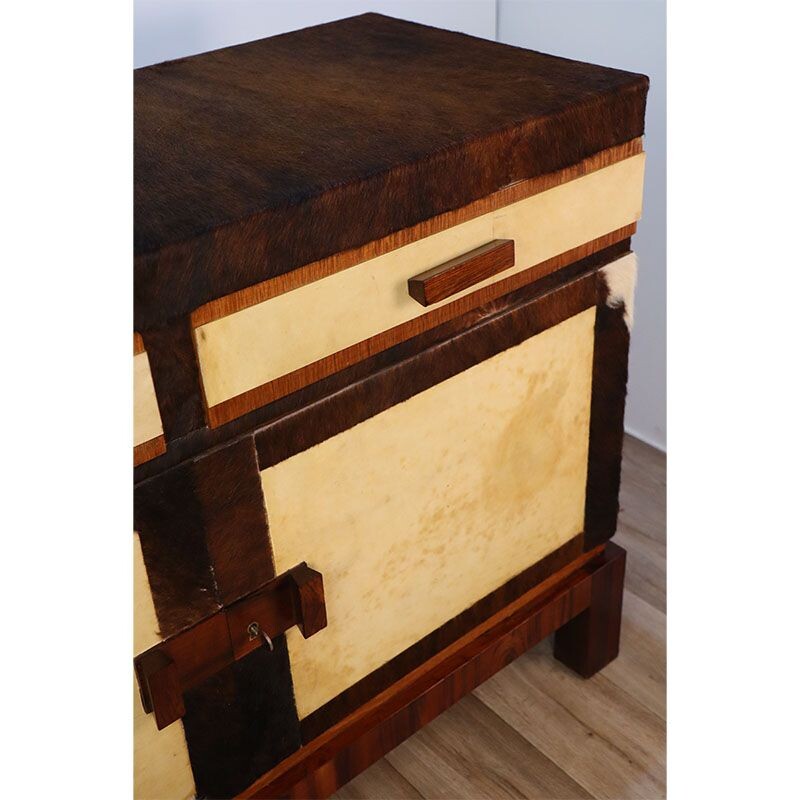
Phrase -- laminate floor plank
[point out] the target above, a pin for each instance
(643, 494)
(596, 732)
(470, 752)
(536, 729)
(381, 780)
(645, 571)
(640, 669)
(641, 528)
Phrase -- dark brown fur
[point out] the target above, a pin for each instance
(204, 536)
(336, 135)
(606, 426)
(176, 378)
(168, 516)
(229, 488)
(241, 722)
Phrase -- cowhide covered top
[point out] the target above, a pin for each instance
(253, 160)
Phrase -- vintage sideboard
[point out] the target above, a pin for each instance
(383, 288)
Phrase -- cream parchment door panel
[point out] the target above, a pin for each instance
(421, 510)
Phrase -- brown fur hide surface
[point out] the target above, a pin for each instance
(253, 160)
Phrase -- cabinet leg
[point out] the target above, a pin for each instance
(591, 640)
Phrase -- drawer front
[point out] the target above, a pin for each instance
(161, 758)
(325, 325)
(161, 768)
(148, 433)
(416, 513)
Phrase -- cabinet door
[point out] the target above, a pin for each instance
(421, 510)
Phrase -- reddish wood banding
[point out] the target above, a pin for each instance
(338, 755)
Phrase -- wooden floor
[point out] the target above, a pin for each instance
(536, 730)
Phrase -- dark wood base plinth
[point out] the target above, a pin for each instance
(581, 604)
(591, 640)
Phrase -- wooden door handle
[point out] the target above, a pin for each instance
(164, 672)
(462, 272)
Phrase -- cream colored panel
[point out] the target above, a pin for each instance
(145, 624)
(160, 758)
(161, 769)
(270, 339)
(416, 513)
(620, 277)
(146, 417)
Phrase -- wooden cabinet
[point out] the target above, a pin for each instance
(383, 298)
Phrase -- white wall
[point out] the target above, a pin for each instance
(165, 29)
(629, 34)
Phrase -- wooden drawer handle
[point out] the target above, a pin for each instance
(462, 272)
(164, 672)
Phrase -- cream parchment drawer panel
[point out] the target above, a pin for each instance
(146, 417)
(148, 433)
(421, 510)
(258, 344)
(161, 769)
(160, 758)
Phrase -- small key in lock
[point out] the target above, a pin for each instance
(255, 631)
